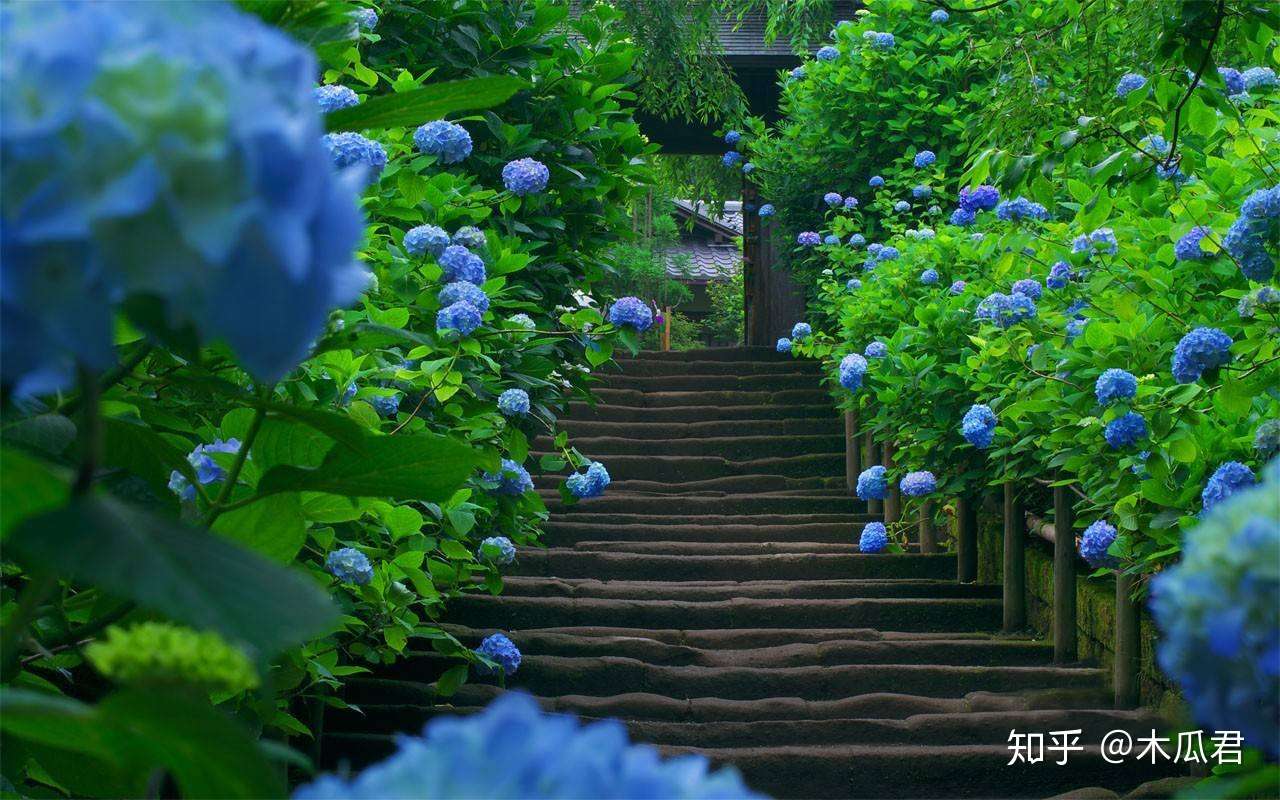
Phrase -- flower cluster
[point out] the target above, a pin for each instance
(1030, 287)
(460, 319)
(331, 97)
(514, 402)
(852, 368)
(980, 198)
(161, 652)
(853, 284)
(918, 484)
(512, 479)
(1021, 208)
(732, 138)
(783, 345)
(902, 206)
(800, 331)
(939, 16)
(463, 292)
(1059, 275)
(873, 483)
(1256, 229)
(470, 237)
(925, 158)
(957, 287)
(457, 263)
(1115, 384)
(502, 651)
(631, 312)
(1099, 242)
(879, 40)
(1201, 350)
(496, 550)
(1259, 78)
(525, 176)
(426, 239)
(850, 202)
(979, 426)
(808, 238)
(832, 199)
(349, 565)
(592, 483)
(1095, 542)
(206, 468)
(731, 158)
(827, 53)
(387, 405)
(1125, 430)
(766, 210)
(1005, 310)
(876, 350)
(1188, 247)
(348, 149)
(831, 238)
(875, 181)
(874, 538)
(1225, 481)
(447, 141)
(1129, 82)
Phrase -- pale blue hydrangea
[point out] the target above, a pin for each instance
(426, 239)
(331, 97)
(876, 350)
(349, 149)
(522, 321)
(918, 484)
(514, 402)
(957, 287)
(766, 210)
(365, 18)
(1266, 440)
(850, 202)
(748, 167)
(513, 480)
(461, 319)
(1115, 385)
(1101, 241)
(1095, 542)
(387, 405)
(470, 237)
(1218, 610)
(873, 483)
(1020, 208)
(925, 158)
(1125, 431)
(827, 53)
(808, 239)
(832, 199)
(901, 206)
(1154, 144)
(496, 550)
(1129, 82)
(881, 40)
(797, 73)
(979, 425)
(1059, 275)
(1005, 310)
(448, 141)
(1075, 327)
(1039, 82)
(1259, 78)
(460, 264)
(1233, 80)
(514, 749)
(1188, 247)
(800, 331)
(462, 292)
(1029, 287)
(349, 565)
(852, 368)
(588, 484)
(939, 16)
(502, 651)
(1077, 307)
(831, 238)
(525, 176)
(631, 312)
(853, 284)
(921, 191)
(888, 253)
(876, 181)
(207, 469)
(874, 249)
(874, 538)
(732, 138)
(784, 345)
(1201, 350)
(731, 158)
(1225, 481)
(929, 277)
(1253, 236)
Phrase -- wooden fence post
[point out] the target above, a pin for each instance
(1125, 674)
(1064, 576)
(872, 456)
(1015, 561)
(852, 450)
(666, 329)
(893, 499)
(928, 531)
(967, 538)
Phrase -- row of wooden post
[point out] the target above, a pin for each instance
(861, 450)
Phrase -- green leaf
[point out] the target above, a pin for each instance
(451, 680)
(412, 108)
(143, 452)
(51, 434)
(27, 488)
(186, 574)
(272, 525)
(423, 467)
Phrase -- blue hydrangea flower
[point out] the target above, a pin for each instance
(349, 149)
(874, 249)
(851, 202)
(748, 168)
(348, 394)
(496, 550)
(978, 426)
(1077, 307)
(873, 483)
(901, 206)
(857, 240)
(1225, 481)
(1115, 384)
(525, 176)
(462, 292)
(192, 128)
(808, 239)
(963, 217)
(797, 73)
(1266, 440)
(731, 158)
(500, 650)
(631, 312)
(784, 345)
(1059, 275)
(918, 484)
(853, 284)
(1125, 431)
(514, 402)
(460, 264)
(1200, 350)
(874, 539)
(800, 331)
(939, 16)
(1029, 287)
(1005, 310)
(887, 253)
(876, 350)
(979, 198)
(331, 97)
(426, 239)
(831, 238)
(832, 199)
(470, 237)
(925, 158)
(387, 405)
(957, 287)
(869, 265)
(1129, 82)
(514, 749)
(592, 483)
(206, 468)
(1039, 82)
(1255, 231)
(1259, 78)
(448, 141)
(366, 18)
(1100, 241)
(828, 53)
(349, 565)
(766, 210)
(732, 138)
(1095, 542)
(513, 480)
(882, 41)
(929, 277)
(461, 318)
(921, 191)
(522, 321)
(179, 485)
(1233, 79)
(1218, 610)
(1188, 247)
(1020, 208)
(876, 181)
(1154, 144)
(1075, 327)
(852, 368)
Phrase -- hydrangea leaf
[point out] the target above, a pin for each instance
(273, 526)
(143, 452)
(430, 102)
(27, 488)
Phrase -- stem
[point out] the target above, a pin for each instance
(33, 595)
(242, 455)
(90, 432)
(110, 378)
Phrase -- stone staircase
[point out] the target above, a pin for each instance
(714, 600)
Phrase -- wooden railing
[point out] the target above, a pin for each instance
(861, 451)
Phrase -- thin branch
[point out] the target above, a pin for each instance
(1221, 13)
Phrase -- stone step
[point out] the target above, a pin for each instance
(730, 447)
(681, 469)
(569, 563)
(585, 514)
(518, 586)
(690, 382)
(753, 353)
(645, 367)
(697, 547)
(577, 428)
(574, 533)
(726, 485)
(618, 502)
(895, 613)
(628, 412)
(718, 399)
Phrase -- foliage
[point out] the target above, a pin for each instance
(724, 324)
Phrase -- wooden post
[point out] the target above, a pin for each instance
(872, 456)
(1125, 675)
(666, 329)
(852, 450)
(967, 538)
(928, 533)
(1015, 562)
(1064, 576)
(893, 500)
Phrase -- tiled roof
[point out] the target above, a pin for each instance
(731, 218)
(707, 262)
(747, 38)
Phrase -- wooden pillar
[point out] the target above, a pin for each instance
(753, 311)
(852, 451)
(666, 329)
(1125, 675)
(1015, 561)
(967, 538)
(928, 532)
(1064, 576)
(893, 499)
(872, 456)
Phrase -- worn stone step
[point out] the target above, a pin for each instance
(719, 399)
(629, 412)
(726, 485)
(618, 502)
(750, 638)
(679, 469)
(691, 382)
(643, 367)
(753, 353)
(587, 514)
(724, 590)
(574, 533)
(701, 430)
(731, 447)
(569, 563)
(904, 614)
(696, 546)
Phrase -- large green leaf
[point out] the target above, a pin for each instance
(140, 450)
(189, 575)
(424, 467)
(417, 106)
(27, 488)
(273, 526)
